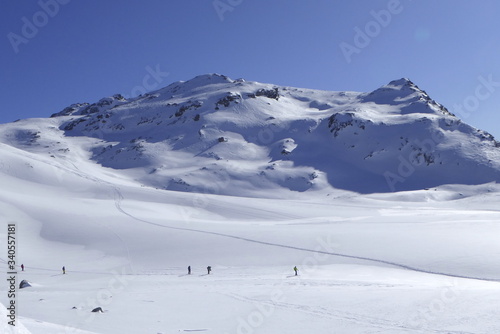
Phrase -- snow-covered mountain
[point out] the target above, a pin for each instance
(214, 134)
(93, 188)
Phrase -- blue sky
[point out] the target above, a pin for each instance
(58, 52)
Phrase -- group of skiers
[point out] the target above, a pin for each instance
(209, 269)
(63, 269)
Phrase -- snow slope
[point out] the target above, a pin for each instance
(393, 263)
(125, 225)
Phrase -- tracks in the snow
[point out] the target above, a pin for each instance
(119, 197)
(322, 312)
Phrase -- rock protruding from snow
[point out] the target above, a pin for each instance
(86, 108)
(24, 284)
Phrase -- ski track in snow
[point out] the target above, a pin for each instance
(119, 198)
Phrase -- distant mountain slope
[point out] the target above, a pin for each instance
(215, 134)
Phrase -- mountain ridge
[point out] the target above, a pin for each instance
(190, 135)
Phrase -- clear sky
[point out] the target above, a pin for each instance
(57, 52)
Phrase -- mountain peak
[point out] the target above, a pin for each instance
(206, 79)
(408, 96)
(400, 83)
(211, 78)
(400, 87)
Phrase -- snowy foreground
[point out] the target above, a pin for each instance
(416, 262)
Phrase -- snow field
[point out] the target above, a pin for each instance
(126, 249)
